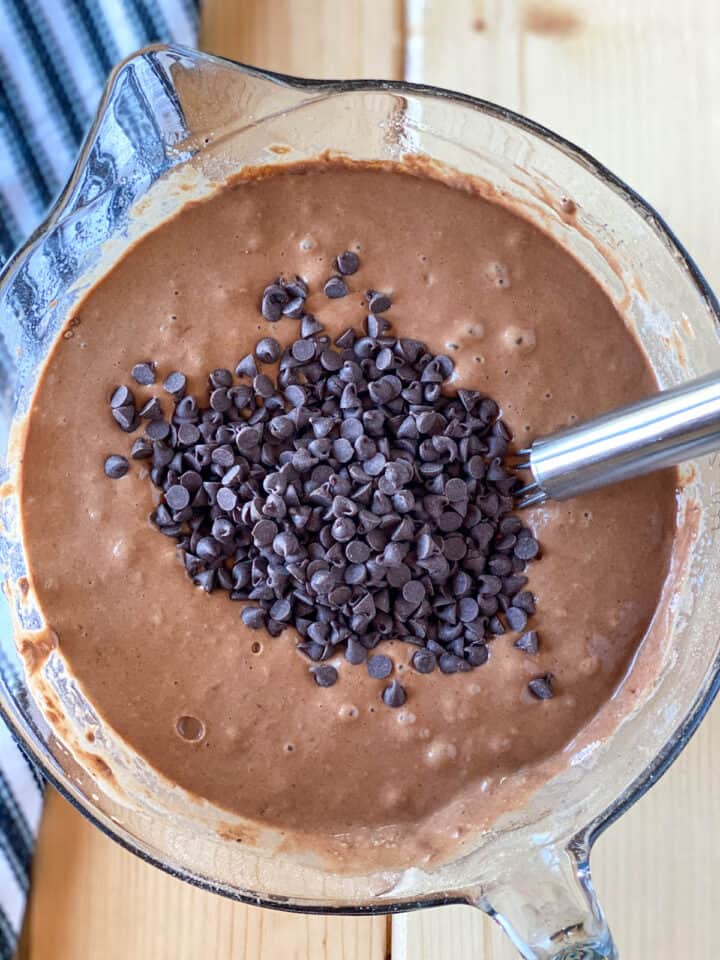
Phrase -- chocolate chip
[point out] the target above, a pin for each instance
(268, 350)
(126, 418)
(468, 609)
(188, 434)
(220, 401)
(253, 617)
(116, 466)
(309, 326)
(325, 675)
(122, 397)
(450, 663)
(516, 618)
(335, 288)
(273, 300)
(541, 687)
(456, 489)
(413, 592)
(294, 308)
(348, 263)
(221, 377)
(424, 661)
(177, 497)
(158, 430)
(152, 410)
(528, 642)
(141, 449)
(263, 386)
(303, 350)
(477, 655)
(379, 666)
(526, 548)
(378, 302)
(394, 695)
(144, 373)
(226, 500)
(175, 384)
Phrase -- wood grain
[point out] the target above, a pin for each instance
(92, 899)
(311, 38)
(634, 81)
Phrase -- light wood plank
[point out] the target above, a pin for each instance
(311, 38)
(635, 82)
(93, 899)
(90, 898)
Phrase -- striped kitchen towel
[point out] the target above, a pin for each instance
(55, 56)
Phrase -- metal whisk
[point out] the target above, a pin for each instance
(673, 426)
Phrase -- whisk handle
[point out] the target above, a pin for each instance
(663, 430)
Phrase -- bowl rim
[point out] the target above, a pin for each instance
(585, 838)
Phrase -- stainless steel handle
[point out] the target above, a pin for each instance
(663, 430)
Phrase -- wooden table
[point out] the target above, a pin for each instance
(636, 82)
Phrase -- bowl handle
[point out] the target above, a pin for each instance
(547, 906)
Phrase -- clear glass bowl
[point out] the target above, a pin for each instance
(172, 124)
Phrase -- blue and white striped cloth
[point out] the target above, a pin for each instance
(54, 58)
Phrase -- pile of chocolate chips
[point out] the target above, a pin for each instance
(349, 496)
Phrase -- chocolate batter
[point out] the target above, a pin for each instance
(233, 715)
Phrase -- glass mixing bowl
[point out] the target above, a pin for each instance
(172, 124)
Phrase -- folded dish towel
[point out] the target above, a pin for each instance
(55, 56)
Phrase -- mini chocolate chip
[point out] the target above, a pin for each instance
(294, 308)
(357, 551)
(253, 617)
(456, 489)
(309, 326)
(220, 400)
(268, 350)
(477, 655)
(122, 397)
(516, 618)
(303, 350)
(468, 609)
(541, 687)
(116, 466)
(125, 417)
(151, 410)
(355, 652)
(208, 548)
(263, 385)
(413, 592)
(379, 666)
(226, 500)
(144, 373)
(158, 429)
(274, 299)
(335, 288)
(281, 610)
(175, 384)
(177, 497)
(347, 263)
(188, 434)
(296, 288)
(394, 695)
(378, 302)
(526, 548)
(528, 642)
(141, 449)
(424, 661)
(325, 675)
